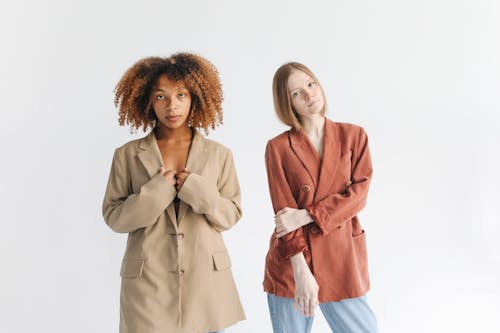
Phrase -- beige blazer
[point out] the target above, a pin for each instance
(176, 274)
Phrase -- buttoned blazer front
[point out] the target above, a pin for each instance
(176, 274)
(333, 189)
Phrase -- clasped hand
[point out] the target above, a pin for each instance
(290, 219)
(175, 178)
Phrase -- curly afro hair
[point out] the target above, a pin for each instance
(133, 92)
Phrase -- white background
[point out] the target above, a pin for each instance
(422, 77)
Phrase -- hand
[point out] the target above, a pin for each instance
(169, 174)
(306, 287)
(290, 219)
(181, 178)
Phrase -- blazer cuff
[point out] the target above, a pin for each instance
(288, 248)
(199, 193)
(321, 217)
(160, 189)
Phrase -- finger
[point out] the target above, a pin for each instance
(162, 170)
(186, 171)
(281, 234)
(303, 305)
(183, 175)
(312, 306)
(295, 303)
(280, 212)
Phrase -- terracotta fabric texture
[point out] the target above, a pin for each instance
(334, 190)
(176, 272)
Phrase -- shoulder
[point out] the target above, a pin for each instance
(279, 140)
(348, 131)
(213, 145)
(348, 128)
(133, 146)
(216, 149)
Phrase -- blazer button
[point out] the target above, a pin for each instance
(181, 272)
(306, 188)
(180, 235)
(315, 229)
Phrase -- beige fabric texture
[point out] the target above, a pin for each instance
(176, 271)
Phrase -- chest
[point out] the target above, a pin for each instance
(304, 173)
(174, 155)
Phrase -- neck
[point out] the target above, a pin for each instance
(313, 125)
(173, 134)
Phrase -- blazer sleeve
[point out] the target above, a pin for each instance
(124, 211)
(281, 197)
(334, 210)
(219, 201)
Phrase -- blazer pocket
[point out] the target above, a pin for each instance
(221, 260)
(132, 268)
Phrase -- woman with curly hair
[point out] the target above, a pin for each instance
(173, 192)
(319, 172)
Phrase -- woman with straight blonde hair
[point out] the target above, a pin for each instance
(319, 173)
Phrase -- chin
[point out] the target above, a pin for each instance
(174, 126)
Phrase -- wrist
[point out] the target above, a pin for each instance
(299, 264)
(306, 217)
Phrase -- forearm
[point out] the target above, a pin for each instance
(128, 213)
(334, 210)
(222, 210)
(299, 264)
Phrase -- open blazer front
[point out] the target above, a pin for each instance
(176, 274)
(333, 189)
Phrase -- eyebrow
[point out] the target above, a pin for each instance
(307, 82)
(178, 88)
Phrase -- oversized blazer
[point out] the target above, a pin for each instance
(176, 274)
(333, 189)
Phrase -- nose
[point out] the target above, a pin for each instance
(169, 103)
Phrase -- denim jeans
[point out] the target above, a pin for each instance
(352, 315)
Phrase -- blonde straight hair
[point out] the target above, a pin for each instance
(281, 95)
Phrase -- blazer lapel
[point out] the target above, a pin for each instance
(330, 160)
(196, 161)
(150, 156)
(307, 156)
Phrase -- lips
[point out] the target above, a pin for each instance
(312, 103)
(173, 118)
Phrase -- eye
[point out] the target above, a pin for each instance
(295, 93)
(181, 95)
(160, 97)
(312, 84)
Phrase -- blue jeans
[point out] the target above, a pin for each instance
(352, 315)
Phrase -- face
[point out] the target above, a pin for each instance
(305, 93)
(171, 102)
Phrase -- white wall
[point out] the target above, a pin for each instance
(422, 77)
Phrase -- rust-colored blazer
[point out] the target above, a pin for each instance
(333, 189)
